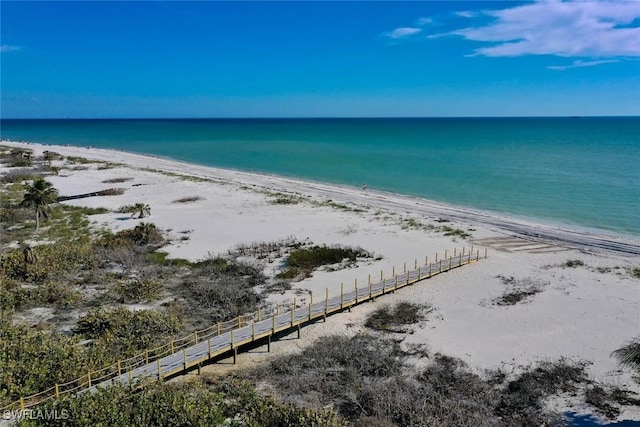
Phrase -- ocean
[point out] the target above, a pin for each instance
(574, 172)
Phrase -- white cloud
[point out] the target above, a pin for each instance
(425, 21)
(403, 32)
(7, 48)
(466, 14)
(580, 64)
(596, 29)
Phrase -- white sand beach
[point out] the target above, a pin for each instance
(582, 313)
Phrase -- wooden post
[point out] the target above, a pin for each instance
(184, 357)
(415, 264)
(159, 371)
(209, 347)
(278, 309)
(445, 254)
(119, 367)
(273, 327)
(405, 267)
(341, 296)
(381, 275)
(309, 311)
(463, 250)
(259, 317)
(426, 260)
(195, 337)
(478, 255)
(232, 337)
(89, 378)
(393, 270)
(57, 391)
(436, 256)
(293, 311)
(173, 348)
(22, 404)
(239, 322)
(356, 283)
(298, 330)
(419, 273)
(310, 297)
(454, 252)
(485, 253)
(253, 330)
(371, 290)
(440, 268)
(218, 328)
(146, 356)
(326, 303)
(269, 343)
(130, 376)
(395, 286)
(235, 355)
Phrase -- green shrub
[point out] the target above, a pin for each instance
(305, 260)
(53, 260)
(196, 403)
(125, 332)
(218, 290)
(31, 361)
(573, 263)
(142, 234)
(137, 290)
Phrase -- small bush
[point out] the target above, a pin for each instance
(600, 399)
(188, 199)
(160, 258)
(573, 263)
(83, 210)
(519, 290)
(305, 260)
(391, 319)
(142, 234)
(448, 231)
(112, 192)
(116, 180)
(635, 272)
(137, 290)
(523, 396)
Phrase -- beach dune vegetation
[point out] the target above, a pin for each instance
(629, 354)
(302, 261)
(139, 209)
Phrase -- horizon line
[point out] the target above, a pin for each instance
(320, 117)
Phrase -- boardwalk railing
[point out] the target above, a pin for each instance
(225, 338)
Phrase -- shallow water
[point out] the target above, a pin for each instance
(573, 171)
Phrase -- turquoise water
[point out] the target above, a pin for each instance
(574, 171)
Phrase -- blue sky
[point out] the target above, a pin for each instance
(319, 59)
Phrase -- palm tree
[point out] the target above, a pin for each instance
(39, 195)
(141, 209)
(629, 355)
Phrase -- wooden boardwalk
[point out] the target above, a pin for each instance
(226, 339)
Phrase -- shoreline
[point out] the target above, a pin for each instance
(586, 304)
(570, 235)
